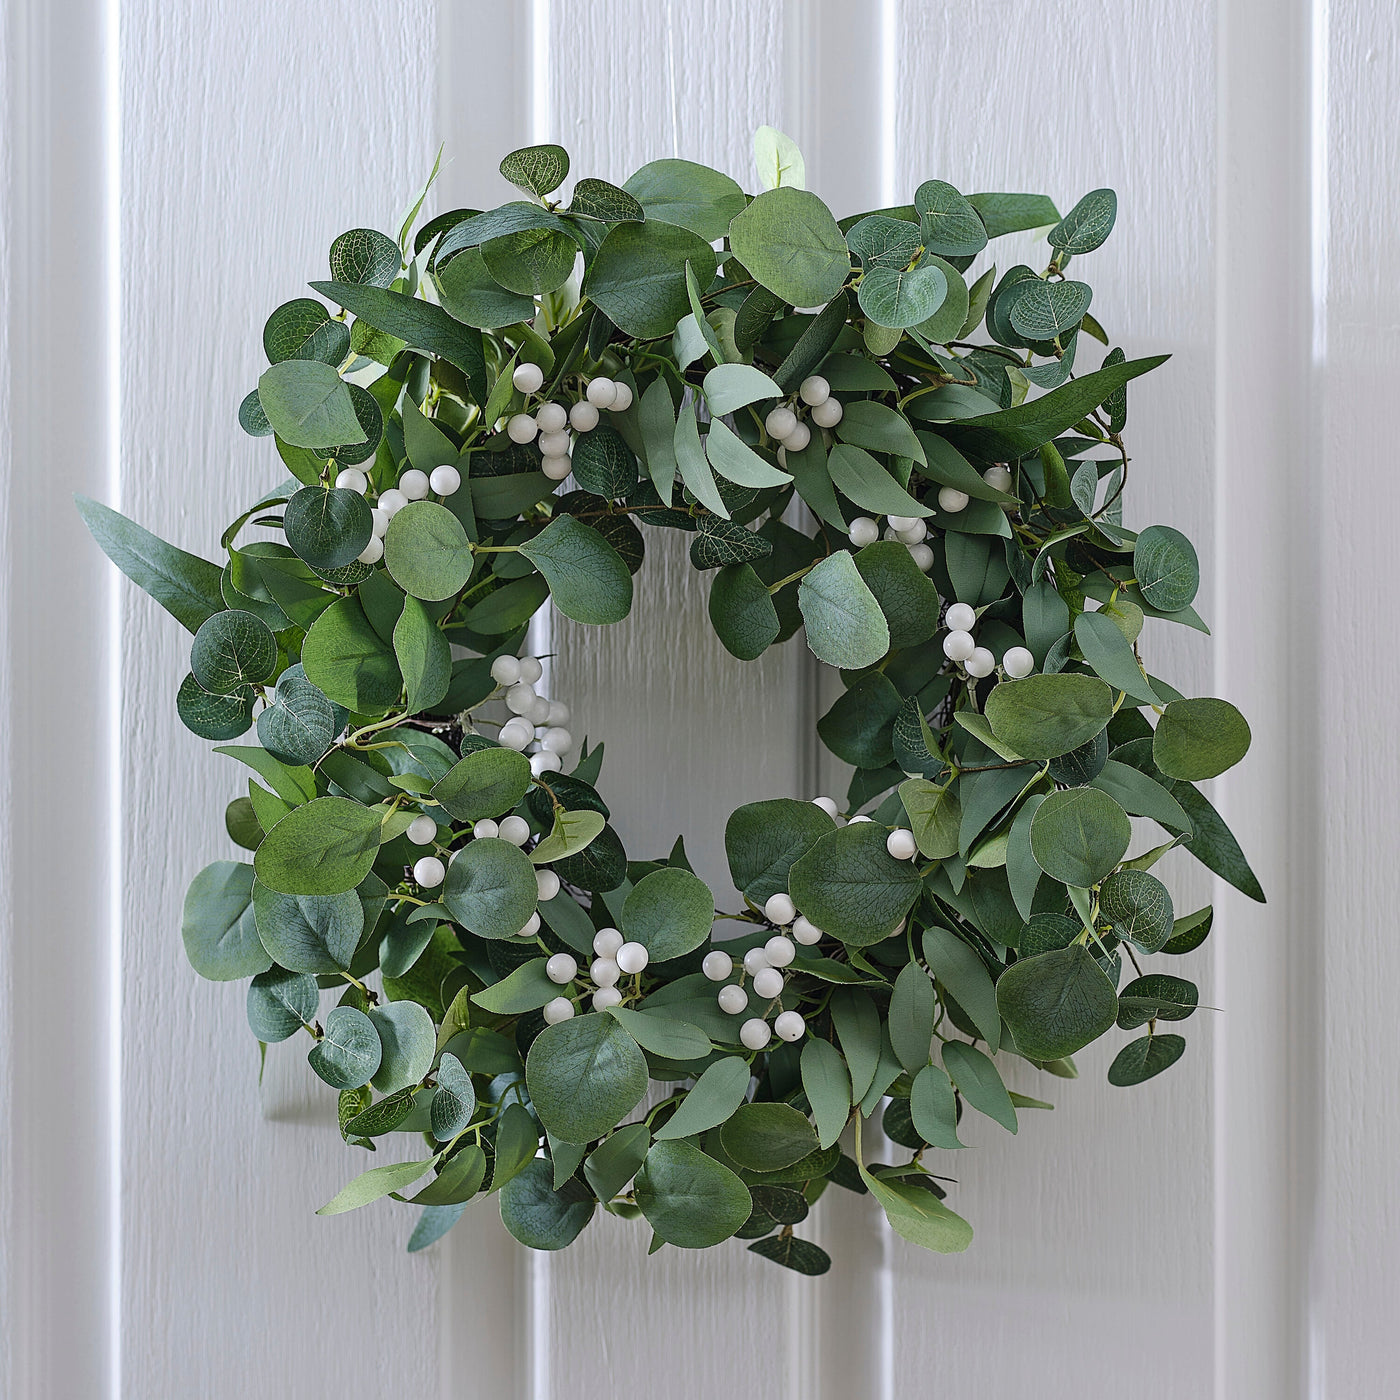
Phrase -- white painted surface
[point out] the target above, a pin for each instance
(1229, 1229)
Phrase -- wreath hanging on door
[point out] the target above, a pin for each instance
(864, 441)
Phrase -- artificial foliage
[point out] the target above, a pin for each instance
(494, 410)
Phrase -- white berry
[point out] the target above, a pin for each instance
(560, 1009)
(797, 439)
(779, 909)
(528, 378)
(780, 950)
(960, 617)
(780, 422)
(863, 531)
(828, 413)
(717, 966)
(352, 479)
(998, 478)
(901, 845)
(601, 392)
(445, 481)
(521, 428)
(951, 499)
(429, 872)
(541, 763)
(505, 670)
(607, 941)
(767, 983)
(558, 713)
(392, 501)
(1018, 662)
(531, 669)
(755, 1033)
(583, 416)
(604, 972)
(514, 829)
(623, 396)
(814, 390)
(732, 999)
(530, 927)
(379, 522)
(561, 968)
(485, 828)
(517, 734)
(520, 698)
(827, 804)
(922, 555)
(901, 522)
(551, 417)
(958, 646)
(915, 534)
(632, 957)
(373, 552)
(557, 468)
(789, 1025)
(605, 997)
(547, 884)
(422, 831)
(755, 960)
(555, 444)
(414, 484)
(862, 818)
(805, 931)
(538, 712)
(980, 663)
(557, 740)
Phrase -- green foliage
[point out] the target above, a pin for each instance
(375, 694)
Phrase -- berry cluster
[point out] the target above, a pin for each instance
(537, 723)
(961, 647)
(414, 485)
(551, 421)
(616, 958)
(788, 430)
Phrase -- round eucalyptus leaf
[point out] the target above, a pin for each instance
(763, 839)
(587, 579)
(1168, 572)
(531, 261)
(241, 823)
(668, 912)
(1141, 1059)
(538, 170)
(845, 626)
(597, 199)
(251, 417)
(1156, 997)
(217, 717)
(801, 1256)
(349, 662)
(1138, 908)
(231, 651)
(280, 1003)
(1082, 765)
(366, 257)
(688, 1198)
(300, 723)
(327, 528)
(348, 1054)
(309, 932)
(324, 848)
(1045, 932)
(1086, 226)
(426, 551)
(408, 1040)
(637, 276)
(473, 296)
(309, 405)
(1042, 310)
(1199, 739)
(371, 421)
(948, 223)
(880, 241)
(487, 783)
(1049, 715)
(454, 1100)
(584, 1075)
(690, 195)
(217, 926)
(790, 243)
(850, 886)
(539, 1216)
(742, 612)
(1078, 836)
(490, 888)
(304, 330)
(900, 297)
(1056, 1003)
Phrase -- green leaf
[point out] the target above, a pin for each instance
(858, 728)
(689, 1199)
(694, 465)
(880, 241)
(900, 297)
(736, 461)
(597, 199)
(827, 1084)
(1197, 739)
(419, 324)
(1013, 213)
(765, 1137)
(327, 528)
(517, 1141)
(966, 979)
(530, 261)
(692, 196)
(657, 419)
(934, 1108)
(538, 170)
(294, 785)
(366, 256)
(1168, 572)
(408, 1041)
(637, 276)
(539, 1216)
(1110, 654)
(304, 330)
(862, 480)
(1140, 796)
(280, 1003)
(424, 657)
(1078, 836)
(374, 1184)
(662, 1034)
(571, 833)
(527, 988)
(1057, 1002)
(790, 243)
(604, 464)
(979, 1083)
(426, 551)
(845, 626)
(948, 223)
(587, 577)
(1156, 997)
(309, 933)
(857, 1022)
(850, 886)
(490, 888)
(217, 925)
(1138, 907)
(459, 1180)
(879, 428)
(711, 1099)
(1046, 716)
(935, 817)
(348, 1054)
(778, 159)
(742, 612)
(763, 839)
(731, 387)
(584, 1076)
(231, 650)
(919, 1216)
(186, 586)
(349, 662)
(308, 405)
(801, 1256)
(1041, 310)
(473, 296)
(454, 1100)
(299, 723)
(1214, 845)
(668, 912)
(1141, 1059)
(1086, 226)
(486, 783)
(911, 1017)
(906, 595)
(324, 847)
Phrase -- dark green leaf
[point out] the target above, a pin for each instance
(689, 1199)
(1078, 836)
(324, 847)
(789, 241)
(490, 888)
(1197, 739)
(637, 277)
(850, 886)
(587, 577)
(584, 1076)
(1140, 1059)
(1056, 1002)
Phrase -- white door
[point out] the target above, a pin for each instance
(174, 170)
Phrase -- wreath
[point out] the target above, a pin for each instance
(434, 892)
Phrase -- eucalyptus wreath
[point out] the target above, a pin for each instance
(499, 407)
